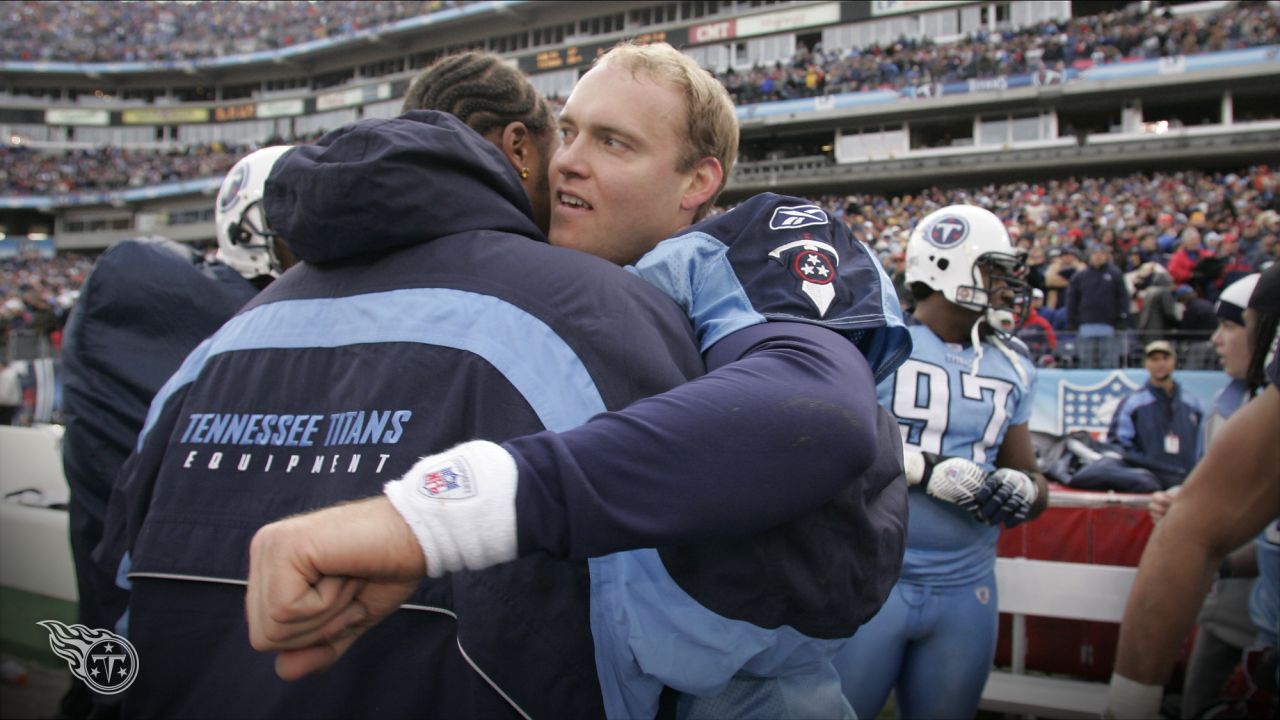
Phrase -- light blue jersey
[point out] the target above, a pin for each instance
(935, 636)
(1264, 604)
(739, 269)
(1229, 399)
(945, 408)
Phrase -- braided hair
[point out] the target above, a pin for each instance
(482, 91)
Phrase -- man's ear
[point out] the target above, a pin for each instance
(704, 183)
(515, 144)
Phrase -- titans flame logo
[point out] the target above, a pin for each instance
(106, 662)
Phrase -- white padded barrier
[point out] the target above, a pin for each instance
(35, 548)
(1045, 588)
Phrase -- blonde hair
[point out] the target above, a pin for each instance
(711, 126)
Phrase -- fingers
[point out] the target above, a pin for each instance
(1159, 505)
(319, 581)
(320, 649)
(288, 604)
(294, 664)
(327, 611)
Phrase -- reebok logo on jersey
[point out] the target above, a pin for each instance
(452, 481)
(797, 216)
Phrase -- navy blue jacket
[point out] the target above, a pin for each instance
(146, 304)
(1097, 296)
(1144, 419)
(427, 312)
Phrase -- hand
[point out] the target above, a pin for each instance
(957, 481)
(1006, 497)
(319, 581)
(1161, 501)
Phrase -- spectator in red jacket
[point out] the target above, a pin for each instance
(1183, 262)
(1037, 332)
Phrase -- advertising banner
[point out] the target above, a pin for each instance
(73, 116)
(165, 116)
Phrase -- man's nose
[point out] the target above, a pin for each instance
(570, 160)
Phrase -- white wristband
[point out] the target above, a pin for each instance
(913, 467)
(1130, 699)
(461, 505)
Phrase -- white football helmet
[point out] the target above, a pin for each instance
(947, 252)
(245, 241)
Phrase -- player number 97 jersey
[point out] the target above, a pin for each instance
(944, 407)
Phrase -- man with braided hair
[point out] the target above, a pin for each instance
(485, 93)
(413, 323)
(522, 625)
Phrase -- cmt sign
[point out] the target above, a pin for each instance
(713, 32)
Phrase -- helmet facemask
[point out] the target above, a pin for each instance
(999, 291)
(252, 233)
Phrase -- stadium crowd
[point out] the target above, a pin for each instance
(1113, 36)
(111, 32)
(38, 293)
(1108, 37)
(87, 31)
(1185, 235)
(24, 171)
(28, 172)
(1188, 234)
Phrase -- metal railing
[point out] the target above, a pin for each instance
(1194, 350)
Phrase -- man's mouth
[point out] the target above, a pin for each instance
(572, 201)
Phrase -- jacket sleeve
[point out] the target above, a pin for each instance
(1122, 301)
(784, 418)
(1180, 267)
(1073, 302)
(1122, 431)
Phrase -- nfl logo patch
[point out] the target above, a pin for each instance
(452, 481)
(1090, 407)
